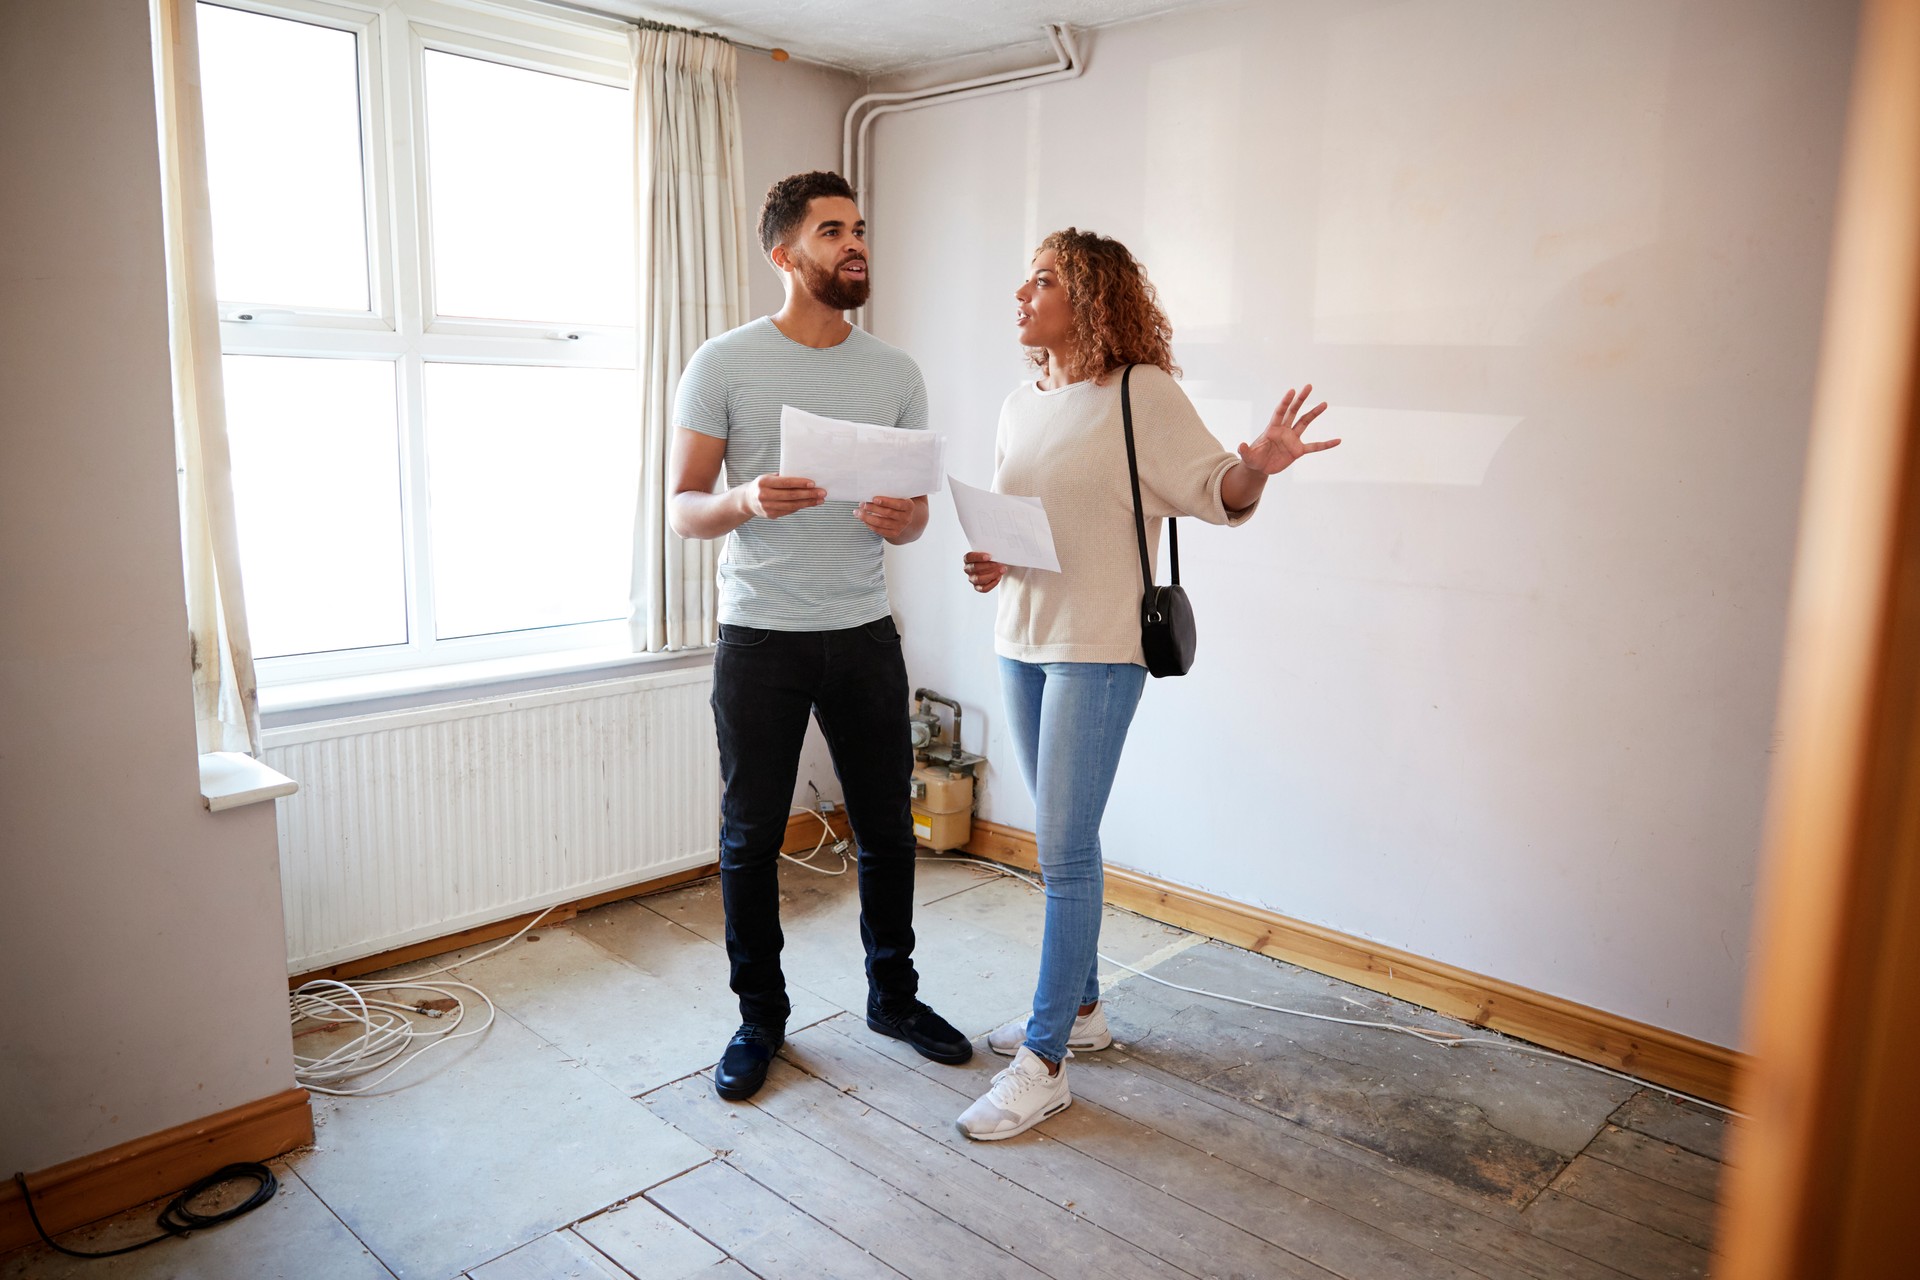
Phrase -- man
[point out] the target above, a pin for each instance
(805, 623)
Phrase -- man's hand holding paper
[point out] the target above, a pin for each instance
(889, 517)
(771, 497)
(858, 462)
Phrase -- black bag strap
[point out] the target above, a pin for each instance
(1139, 513)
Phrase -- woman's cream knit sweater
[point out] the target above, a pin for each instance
(1068, 449)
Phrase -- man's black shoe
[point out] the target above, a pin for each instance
(743, 1067)
(922, 1028)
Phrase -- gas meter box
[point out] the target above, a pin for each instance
(942, 795)
(942, 807)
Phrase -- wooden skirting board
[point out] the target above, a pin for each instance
(102, 1184)
(1594, 1035)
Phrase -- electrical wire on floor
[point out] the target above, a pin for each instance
(177, 1219)
(389, 1036)
(1441, 1039)
(840, 843)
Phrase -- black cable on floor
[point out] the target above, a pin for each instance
(176, 1219)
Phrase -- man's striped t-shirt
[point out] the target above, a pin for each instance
(819, 569)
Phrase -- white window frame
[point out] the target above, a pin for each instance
(392, 38)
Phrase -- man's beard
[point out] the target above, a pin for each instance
(830, 287)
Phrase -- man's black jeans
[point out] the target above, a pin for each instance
(765, 684)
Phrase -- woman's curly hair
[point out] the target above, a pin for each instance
(1117, 319)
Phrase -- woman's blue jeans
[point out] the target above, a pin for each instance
(1069, 722)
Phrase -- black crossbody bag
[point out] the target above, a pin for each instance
(1167, 632)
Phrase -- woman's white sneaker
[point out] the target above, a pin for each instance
(1022, 1095)
(1089, 1034)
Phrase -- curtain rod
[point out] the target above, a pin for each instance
(653, 24)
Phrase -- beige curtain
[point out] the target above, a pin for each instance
(226, 708)
(692, 269)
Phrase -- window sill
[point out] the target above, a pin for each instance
(300, 703)
(229, 780)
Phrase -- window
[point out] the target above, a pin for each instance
(423, 246)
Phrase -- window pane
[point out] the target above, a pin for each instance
(532, 474)
(530, 181)
(282, 102)
(316, 487)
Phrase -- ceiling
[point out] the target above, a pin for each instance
(873, 37)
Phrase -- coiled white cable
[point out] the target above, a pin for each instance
(389, 1036)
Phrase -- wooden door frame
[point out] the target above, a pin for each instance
(1820, 1169)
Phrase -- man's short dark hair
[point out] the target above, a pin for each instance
(786, 205)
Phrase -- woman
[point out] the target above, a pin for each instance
(1069, 642)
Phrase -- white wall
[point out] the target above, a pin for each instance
(790, 116)
(1494, 681)
(140, 935)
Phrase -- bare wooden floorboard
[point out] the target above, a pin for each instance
(1325, 1236)
(1622, 1243)
(1168, 1228)
(1603, 1239)
(802, 1168)
(771, 1237)
(1246, 1118)
(1631, 1195)
(1260, 1119)
(1350, 1183)
(644, 1241)
(1057, 1240)
(558, 1253)
(1252, 1117)
(1683, 1124)
(1492, 1124)
(1661, 1161)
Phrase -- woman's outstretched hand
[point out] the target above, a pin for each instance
(983, 571)
(1280, 445)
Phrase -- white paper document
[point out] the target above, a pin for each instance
(854, 461)
(1011, 529)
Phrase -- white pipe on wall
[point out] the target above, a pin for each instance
(1067, 65)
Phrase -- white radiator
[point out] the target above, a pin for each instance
(416, 824)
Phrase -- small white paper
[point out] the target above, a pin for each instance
(855, 461)
(1012, 529)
